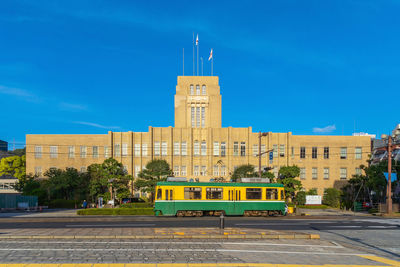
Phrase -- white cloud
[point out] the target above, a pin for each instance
(96, 125)
(327, 129)
(72, 107)
(18, 93)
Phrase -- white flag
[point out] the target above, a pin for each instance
(197, 39)
(210, 57)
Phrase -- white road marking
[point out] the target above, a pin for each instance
(170, 243)
(382, 226)
(109, 225)
(346, 226)
(291, 224)
(185, 250)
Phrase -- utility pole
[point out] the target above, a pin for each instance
(260, 153)
(389, 187)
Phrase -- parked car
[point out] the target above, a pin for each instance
(132, 200)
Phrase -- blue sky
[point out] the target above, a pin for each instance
(314, 67)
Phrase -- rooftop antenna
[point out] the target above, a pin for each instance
(183, 62)
(193, 53)
(197, 44)
(201, 58)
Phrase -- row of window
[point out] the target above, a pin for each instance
(203, 89)
(218, 193)
(198, 117)
(314, 173)
(199, 149)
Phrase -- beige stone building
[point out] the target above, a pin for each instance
(199, 148)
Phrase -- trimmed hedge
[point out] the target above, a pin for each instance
(313, 207)
(116, 211)
(136, 205)
(64, 204)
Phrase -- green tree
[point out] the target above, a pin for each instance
(156, 171)
(244, 171)
(13, 166)
(19, 152)
(287, 176)
(332, 197)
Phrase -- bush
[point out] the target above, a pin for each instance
(63, 204)
(116, 211)
(332, 197)
(301, 198)
(373, 210)
(136, 205)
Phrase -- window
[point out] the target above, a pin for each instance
(275, 150)
(193, 119)
(196, 170)
(176, 148)
(242, 149)
(196, 148)
(216, 170)
(156, 148)
(183, 170)
(124, 149)
(326, 152)
(106, 152)
(83, 151)
(71, 152)
(203, 90)
(235, 148)
(314, 173)
(358, 152)
(203, 171)
(302, 152)
(197, 117)
(253, 193)
(38, 171)
(223, 149)
(53, 152)
(343, 173)
(184, 149)
(137, 171)
(213, 193)
(216, 149)
(282, 194)
(159, 193)
(272, 194)
(38, 152)
(203, 148)
(137, 150)
(314, 152)
(83, 169)
(223, 170)
(326, 173)
(117, 150)
(343, 152)
(281, 150)
(302, 173)
(144, 150)
(163, 148)
(95, 152)
(255, 150)
(191, 89)
(197, 89)
(125, 168)
(203, 117)
(192, 193)
(263, 149)
(358, 171)
(176, 170)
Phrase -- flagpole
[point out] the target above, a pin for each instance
(183, 62)
(201, 59)
(197, 58)
(212, 63)
(193, 53)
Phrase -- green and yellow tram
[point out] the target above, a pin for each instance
(198, 199)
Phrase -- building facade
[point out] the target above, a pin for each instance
(198, 147)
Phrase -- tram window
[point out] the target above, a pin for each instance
(192, 193)
(213, 193)
(166, 194)
(159, 193)
(170, 195)
(282, 195)
(239, 195)
(272, 193)
(253, 193)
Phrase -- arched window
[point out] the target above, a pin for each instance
(197, 89)
(191, 89)
(203, 90)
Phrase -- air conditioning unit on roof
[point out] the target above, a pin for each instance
(254, 180)
(176, 179)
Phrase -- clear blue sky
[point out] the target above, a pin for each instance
(82, 67)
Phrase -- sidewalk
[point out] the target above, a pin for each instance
(332, 212)
(151, 233)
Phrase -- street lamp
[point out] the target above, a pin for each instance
(261, 153)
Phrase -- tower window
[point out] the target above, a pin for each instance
(193, 119)
(203, 117)
(203, 90)
(198, 117)
(197, 89)
(191, 89)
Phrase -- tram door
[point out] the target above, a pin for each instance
(169, 195)
(235, 197)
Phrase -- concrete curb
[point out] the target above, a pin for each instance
(194, 236)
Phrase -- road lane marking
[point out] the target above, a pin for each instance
(382, 226)
(109, 225)
(269, 224)
(346, 226)
(170, 243)
(381, 260)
